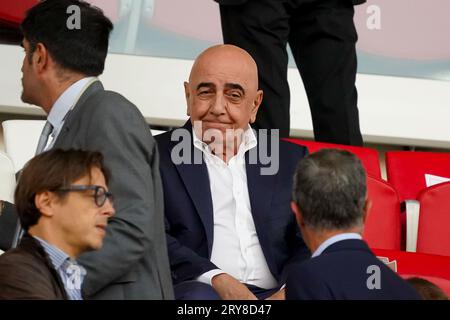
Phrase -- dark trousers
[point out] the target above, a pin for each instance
(195, 290)
(322, 36)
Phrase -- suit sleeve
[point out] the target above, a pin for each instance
(184, 262)
(119, 131)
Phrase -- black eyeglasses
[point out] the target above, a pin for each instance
(100, 193)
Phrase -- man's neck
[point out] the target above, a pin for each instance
(227, 150)
(54, 239)
(316, 238)
(56, 88)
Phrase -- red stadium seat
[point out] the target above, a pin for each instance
(382, 229)
(434, 268)
(406, 170)
(13, 12)
(369, 157)
(434, 220)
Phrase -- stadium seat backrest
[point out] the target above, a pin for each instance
(434, 268)
(7, 178)
(434, 220)
(382, 228)
(406, 170)
(369, 157)
(21, 138)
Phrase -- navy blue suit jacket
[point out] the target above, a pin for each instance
(189, 211)
(340, 272)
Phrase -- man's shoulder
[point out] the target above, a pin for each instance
(164, 139)
(167, 140)
(290, 148)
(20, 260)
(101, 103)
(24, 275)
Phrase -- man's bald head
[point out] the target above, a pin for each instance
(222, 91)
(225, 57)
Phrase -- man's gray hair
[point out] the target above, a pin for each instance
(330, 190)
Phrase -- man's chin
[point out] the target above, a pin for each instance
(217, 126)
(25, 98)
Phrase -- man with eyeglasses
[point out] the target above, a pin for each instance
(60, 74)
(63, 203)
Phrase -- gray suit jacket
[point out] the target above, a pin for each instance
(133, 262)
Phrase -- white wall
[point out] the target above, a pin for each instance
(393, 110)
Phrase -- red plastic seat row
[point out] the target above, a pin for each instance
(406, 170)
(369, 157)
(434, 268)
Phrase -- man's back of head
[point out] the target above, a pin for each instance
(330, 191)
(75, 33)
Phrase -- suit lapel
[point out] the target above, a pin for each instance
(77, 111)
(260, 189)
(196, 180)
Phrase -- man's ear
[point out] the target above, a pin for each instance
(256, 104)
(41, 58)
(366, 209)
(44, 203)
(298, 214)
(187, 94)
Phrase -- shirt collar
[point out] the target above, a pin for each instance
(57, 256)
(65, 102)
(248, 142)
(333, 240)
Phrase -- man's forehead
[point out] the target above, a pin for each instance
(221, 78)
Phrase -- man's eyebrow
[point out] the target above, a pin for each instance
(205, 84)
(234, 86)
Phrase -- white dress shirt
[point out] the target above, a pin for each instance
(63, 105)
(236, 249)
(333, 240)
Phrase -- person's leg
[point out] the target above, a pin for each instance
(194, 290)
(323, 38)
(261, 28)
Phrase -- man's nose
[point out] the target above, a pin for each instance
(108, 208)
(218, 106)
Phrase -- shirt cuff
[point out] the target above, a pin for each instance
(207, 276)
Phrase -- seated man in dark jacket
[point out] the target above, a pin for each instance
(230, 229)
(63, 204)
(331, 206)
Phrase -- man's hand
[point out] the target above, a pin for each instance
(279, 295)
(228, 288)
